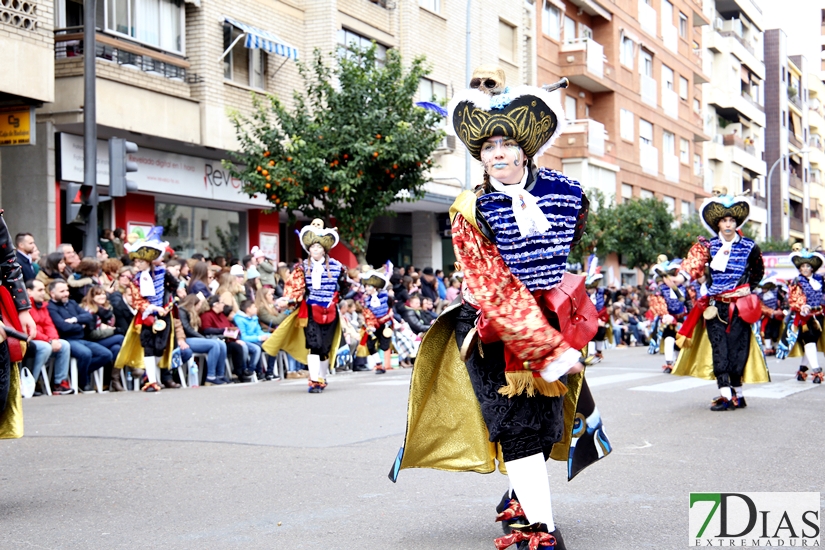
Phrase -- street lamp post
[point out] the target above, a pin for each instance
(770, 219)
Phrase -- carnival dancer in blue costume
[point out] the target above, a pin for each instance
(772, 314)
(806, 301)
(378, 316)
(597, 295)
(670, 307)
(724, 347)
(504, 342)
(312, 333)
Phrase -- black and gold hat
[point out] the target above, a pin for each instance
(715, 208)
(530, 115)
(317, 233)
(814, 259)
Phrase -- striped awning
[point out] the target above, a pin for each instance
(260, 39)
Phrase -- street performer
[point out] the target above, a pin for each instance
(151, 334)
(378, 317)
(723, 347)
(597, 295)
(499, 375)
(312, 333)
(668, 305)
(16, 306)
(771, 324)
(805, 298)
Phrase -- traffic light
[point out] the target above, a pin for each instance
(120, 165)
(78, 206)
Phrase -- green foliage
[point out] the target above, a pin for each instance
(639, 230)
(684, 236)
(775, 245)
(597, 221)
(353, 142)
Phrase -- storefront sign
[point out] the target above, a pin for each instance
(159, 172)
(269, 246)
(17, 125)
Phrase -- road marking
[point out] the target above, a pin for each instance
(779, 390)
(682, 384)
(389, 383)
(619, 378)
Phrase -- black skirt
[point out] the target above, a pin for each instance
(319, 337)
(154, 343)
(522, 425)
(5, 376)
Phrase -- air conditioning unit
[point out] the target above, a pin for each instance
(447, 145)
(718, 24)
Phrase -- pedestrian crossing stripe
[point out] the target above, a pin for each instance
(596, 381)
(683, 383)
(778, 390)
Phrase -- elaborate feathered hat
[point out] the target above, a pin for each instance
(804, 256)
(316, 233)
(717, 207)
(378, 278)
(146, 246)
(594, 272)
(532, 116)
(666, 267)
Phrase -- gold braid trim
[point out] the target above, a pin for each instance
(521, 382)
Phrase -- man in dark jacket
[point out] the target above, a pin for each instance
(413, 315)
(70, 320)
(24, 246)
(123, 310)
(429, 287)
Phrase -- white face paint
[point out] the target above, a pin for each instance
(503, 159)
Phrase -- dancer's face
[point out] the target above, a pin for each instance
(317, 252)
(503, 159)
(727, 228)
(806, 270)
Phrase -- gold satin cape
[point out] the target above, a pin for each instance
(290, 338)
(11, 419)
(798, 349)
(445, 429)
(696, 359)
(131, 352)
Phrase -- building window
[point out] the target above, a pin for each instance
(683, 87)
(697, 106)
(626, 124)
(668, 142)
(257, 68)
(570, 107)
(670, 204)
(684, 151)
(506, 41)
(686, 210)
(627, 52)
(697, 164)
(551, 20)
(645, 132)
(683, 25)
(645, 194)
(432, 5)
(627, 191)
(243, 65)
(646, 63)
(667, 77)
(349, 41)
(430, 90)
(569, 29)
(157, 23)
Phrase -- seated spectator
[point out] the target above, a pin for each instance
(251, 332)
(231, 289)
(109, 270)
(252, 286)
(106, 242)
(123, 309)
(84, 277)
(173, 284)
(103, 330)
(51, 268)
(454, 291)
(215, 322)
(415, 317)
(214, 276)
(427, 311)
(215, 349)
(124, 278)
(271, 312)
(70, 320)
(48, 343)
(199, 280)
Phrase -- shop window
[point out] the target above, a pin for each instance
(349, 42)
(219, 230)
(158, 23)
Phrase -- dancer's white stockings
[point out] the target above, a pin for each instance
(324, 369)
(150, 362)
(314, 366)
(528, 478)
(670, 343)
(810, 355)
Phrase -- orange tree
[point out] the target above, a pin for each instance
(354, 144)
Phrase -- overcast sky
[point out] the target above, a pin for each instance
(800, 19)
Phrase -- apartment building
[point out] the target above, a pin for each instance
(27, 82)
(787, 136)
(816, 159)
(635, 99)
(168, 75)
(734, 104)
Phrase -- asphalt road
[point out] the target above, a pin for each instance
(270, 466)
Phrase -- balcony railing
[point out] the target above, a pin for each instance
(647, 18)
(594, 54)
(795, 100)
(816, 141)
(741, 40)
(797, 225)
(752, 101)
(68, 43)
(585, 133)
(670, 167)
(796, 182)
(649, 159)
(795, 141)
(670, 37)
(736, 141)
(670, 103)
(648, 86)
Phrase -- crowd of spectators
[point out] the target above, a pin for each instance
(83, 308)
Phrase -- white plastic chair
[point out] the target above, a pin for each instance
(45, 376)
(201, 359)
(73, 374)
(98, 378)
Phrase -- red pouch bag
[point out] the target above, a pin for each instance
(750, 310)
(576, 313)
